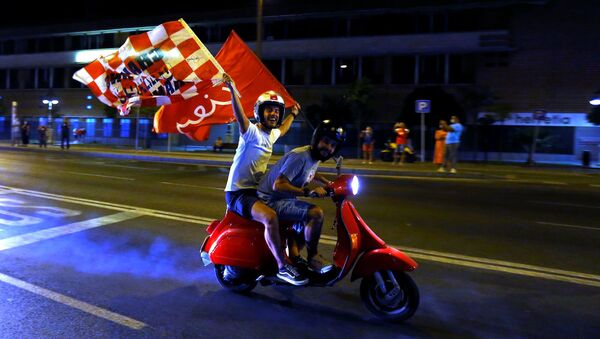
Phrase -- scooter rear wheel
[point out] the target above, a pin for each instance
(392, 308)
(235, 279)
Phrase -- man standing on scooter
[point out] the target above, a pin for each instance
(254, 150)
(289, 178)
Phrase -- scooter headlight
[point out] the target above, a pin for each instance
(354, 185)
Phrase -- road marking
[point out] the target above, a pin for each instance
(493, 265)
(592, 185)
(101, 163)
(108, 205)
(567, 225)
(408, 177)
(554, 183)
(58, 231)
(80, 305)
(193, 186)
(455, 259)
(563, 204)
(98, 175)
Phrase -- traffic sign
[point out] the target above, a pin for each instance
(422, 106)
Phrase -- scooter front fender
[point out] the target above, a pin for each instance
(381, 259)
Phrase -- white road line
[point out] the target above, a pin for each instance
(193, 186)
(54, 232)
(80, 305)
(98, 175)
(554, 183)
(126, 166)
(455, 259)
(569, 226)
(108, 205)
(493, 265)
(407, 177)
(592, 185)
(563, 204)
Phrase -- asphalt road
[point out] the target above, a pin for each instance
(93, 247)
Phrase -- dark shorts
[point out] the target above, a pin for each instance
(241, 201)
(399, 149)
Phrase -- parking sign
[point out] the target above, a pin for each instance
(422, 106)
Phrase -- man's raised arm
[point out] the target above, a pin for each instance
(238, 111)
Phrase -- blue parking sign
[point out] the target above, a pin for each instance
(422, 106)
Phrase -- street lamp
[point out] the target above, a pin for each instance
(595, 101)
(51, 102)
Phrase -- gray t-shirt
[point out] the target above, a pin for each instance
(297, 165)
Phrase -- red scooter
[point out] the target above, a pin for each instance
(237, 248)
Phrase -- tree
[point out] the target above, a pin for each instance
(594, 115)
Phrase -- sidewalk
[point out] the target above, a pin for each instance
(466, 170)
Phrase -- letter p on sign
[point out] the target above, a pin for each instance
(422, 106)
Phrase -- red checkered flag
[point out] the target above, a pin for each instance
(165, 65)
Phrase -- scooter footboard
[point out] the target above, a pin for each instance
(382, 259)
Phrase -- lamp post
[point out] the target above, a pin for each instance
(51, 102)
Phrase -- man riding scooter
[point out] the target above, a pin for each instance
(288, 179)
(249, 164)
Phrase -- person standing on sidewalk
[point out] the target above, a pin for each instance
(25, 128)
(368, 144)
(43, 136)
(454, 130)
(440, 145)
(401, 141)
(65, 134)
(254, 150)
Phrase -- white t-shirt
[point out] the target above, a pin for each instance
(251, 158)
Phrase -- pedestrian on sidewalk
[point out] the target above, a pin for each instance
(440, 145)
(454, 130)
(368, 144)
(65, 133)
(43, 136)
(401, 142)
(218, 145)
(25, 128)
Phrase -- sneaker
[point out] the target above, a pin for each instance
(290, 274)
(453, 171)
(299, 262)
(319, 264)
(364, 162)
(441, 170)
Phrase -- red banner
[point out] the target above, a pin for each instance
(194, 116)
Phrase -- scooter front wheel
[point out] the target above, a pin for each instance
(235, 279)
(387, 301)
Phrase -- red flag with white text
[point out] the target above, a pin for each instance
(193, 117)
(165, 65)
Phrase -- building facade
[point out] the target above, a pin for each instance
(475, 55)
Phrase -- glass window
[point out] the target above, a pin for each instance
(462, 69)
(275, 67)
(373, 68)
(125, 128)
(107, 130)
(431, 69)
(295, 71)
(90, 127)
(403, 69)
(320, 71)
(72, 82)
(275, 30)
(107, 40)
(346, 70)
(58, 79)
(13, 79)
(3, 75)
(26, 78)
(8, 47)
(43, 77)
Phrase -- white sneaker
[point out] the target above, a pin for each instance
(453, 171)
(441, 170)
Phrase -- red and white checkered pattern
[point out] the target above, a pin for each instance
(165, 65)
